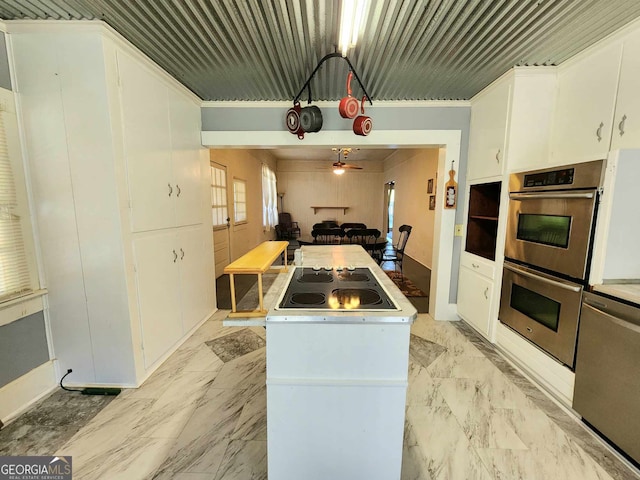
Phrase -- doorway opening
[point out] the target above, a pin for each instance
(389, 195)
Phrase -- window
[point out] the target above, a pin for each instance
(269, 198)
(218, 196)
(239, 200)
(15, 276)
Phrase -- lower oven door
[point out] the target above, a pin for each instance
(542, 308)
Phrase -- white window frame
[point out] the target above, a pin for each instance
(20, 210)
(240, 214)
(269, 198)
(219, 198)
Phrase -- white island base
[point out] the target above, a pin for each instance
(336, 389)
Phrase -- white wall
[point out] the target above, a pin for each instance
(411, 169)
(312, 183)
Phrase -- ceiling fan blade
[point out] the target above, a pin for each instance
(353, 167)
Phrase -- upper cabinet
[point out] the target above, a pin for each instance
(583, 117)
(161, 150)
(598, 106)
(488, 128)
(626, 125)
(510, 123)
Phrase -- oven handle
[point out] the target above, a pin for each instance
(538, 196)
(533, 276)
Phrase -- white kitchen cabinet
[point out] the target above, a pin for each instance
(475, 292)
(196, 294)
(158, 283)
(583, 117)
(160, 132)
(626, 126)
(489, 115)
(511, 123)
(173, 291)
(106, 132)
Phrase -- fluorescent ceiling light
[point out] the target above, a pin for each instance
(350, 23)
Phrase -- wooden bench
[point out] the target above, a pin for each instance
(255, 262)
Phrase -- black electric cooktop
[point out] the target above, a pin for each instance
(328, 288)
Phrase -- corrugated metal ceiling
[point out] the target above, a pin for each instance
(410, 49)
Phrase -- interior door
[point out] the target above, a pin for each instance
(389, 196)
(220, 217)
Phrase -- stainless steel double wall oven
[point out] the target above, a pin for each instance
(548, 248)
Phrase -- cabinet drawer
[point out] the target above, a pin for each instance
(477, 264)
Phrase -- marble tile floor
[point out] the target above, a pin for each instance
(470, 415)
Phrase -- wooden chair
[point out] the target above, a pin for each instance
(397, 255)
(286, 227)
(327, 236)
(350, 226)
(369, 239)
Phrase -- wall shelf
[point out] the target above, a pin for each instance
(344, 209)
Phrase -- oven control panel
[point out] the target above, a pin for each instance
(544, 179)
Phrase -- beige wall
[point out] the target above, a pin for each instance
(307, 183)
(246, 165)
(411, 169)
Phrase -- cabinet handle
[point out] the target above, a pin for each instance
(179, 191)
(498, 156)
(486, 290)
(170, 189)
(621, 124)
(599, 132)
(181, 254)
(475, 265)
(175, 256)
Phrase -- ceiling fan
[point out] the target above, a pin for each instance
(339, 167)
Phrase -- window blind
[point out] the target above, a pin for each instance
(14, 269)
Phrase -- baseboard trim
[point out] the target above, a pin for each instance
(16, 397)
(555, 378)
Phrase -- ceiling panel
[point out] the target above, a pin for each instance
(409, 50)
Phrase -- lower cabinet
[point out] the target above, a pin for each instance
(475, 293)
(174, 293)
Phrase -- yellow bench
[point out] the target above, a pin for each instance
(255, 262)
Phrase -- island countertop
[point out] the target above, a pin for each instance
(344, 256)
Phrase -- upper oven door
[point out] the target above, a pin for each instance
(551, 230)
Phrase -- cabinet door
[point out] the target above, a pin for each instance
(584, 111)
(196, 275)
(147, 146)
(488, 132)
(157, 274)
(474, 299)
(626, 127)
(185, 155)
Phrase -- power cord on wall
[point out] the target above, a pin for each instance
(89, 390)
(65, 388)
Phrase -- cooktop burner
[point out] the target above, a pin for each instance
(346, 289)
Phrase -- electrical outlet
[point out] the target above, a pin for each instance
(457, 231)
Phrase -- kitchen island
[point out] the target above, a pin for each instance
(337, 371)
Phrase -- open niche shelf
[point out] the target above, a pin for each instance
(482, 223)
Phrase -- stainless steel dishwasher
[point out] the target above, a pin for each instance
(607, 382)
